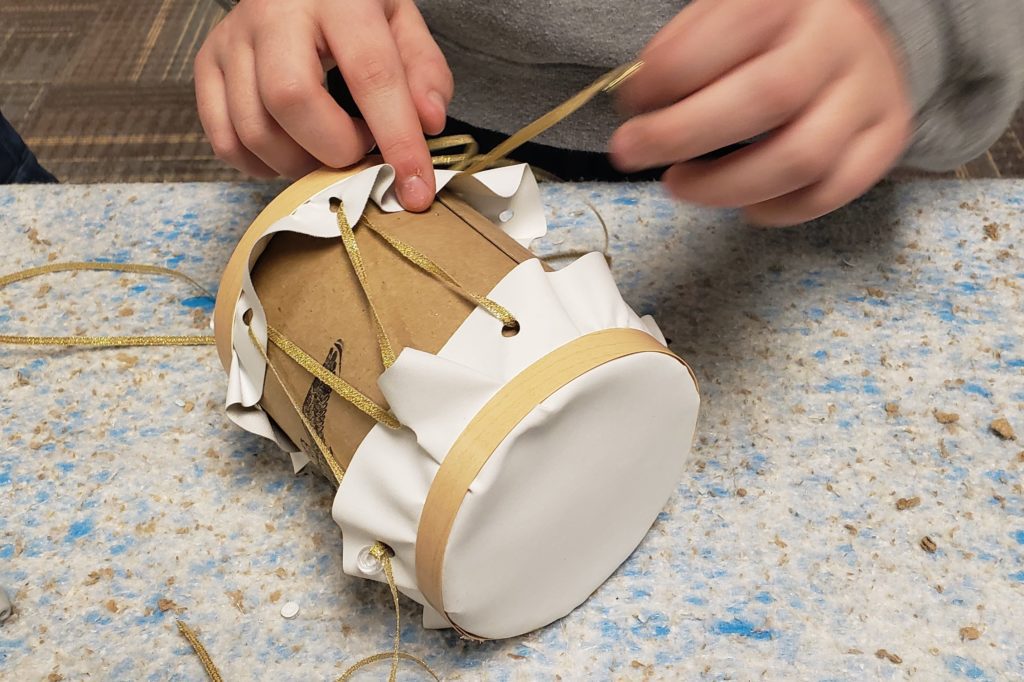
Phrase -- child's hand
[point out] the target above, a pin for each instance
(820, 75)
(259, 87)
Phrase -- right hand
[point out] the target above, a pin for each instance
(259, 88)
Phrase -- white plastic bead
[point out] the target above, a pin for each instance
(367, 563)
(290, 610)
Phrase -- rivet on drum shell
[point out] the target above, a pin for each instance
(367, 563)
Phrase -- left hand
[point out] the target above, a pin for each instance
(820, 77)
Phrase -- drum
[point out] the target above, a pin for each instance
(507, 431)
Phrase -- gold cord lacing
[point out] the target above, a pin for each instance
(345, 390)
(418, 259)
(421, 261)
(348, 238)
(337, 471)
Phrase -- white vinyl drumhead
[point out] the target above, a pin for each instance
(569, 495)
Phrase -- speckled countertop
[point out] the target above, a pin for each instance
(851, 374)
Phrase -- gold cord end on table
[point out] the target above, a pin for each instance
(197, 646)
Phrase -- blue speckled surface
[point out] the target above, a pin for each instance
(782, 555)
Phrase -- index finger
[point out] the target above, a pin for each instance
(368, 58)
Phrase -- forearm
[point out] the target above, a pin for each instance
(964, 65)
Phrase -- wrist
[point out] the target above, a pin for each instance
(913, 30)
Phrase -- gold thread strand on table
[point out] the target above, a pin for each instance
(606, 83)
(99, 266)
(137, 340)
(197, 646)
(383, 656)
(325, 452)
(106, 341)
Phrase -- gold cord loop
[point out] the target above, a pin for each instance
(470, 149)
(381, 553)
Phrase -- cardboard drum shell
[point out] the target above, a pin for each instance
(310, 293)
(237, 266)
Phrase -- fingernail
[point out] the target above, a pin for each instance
(622, 108)
(438, 101)
(436, 127)
(363, 131)
(414, 193)
(618, 150)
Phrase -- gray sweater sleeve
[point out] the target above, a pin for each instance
(964, 63)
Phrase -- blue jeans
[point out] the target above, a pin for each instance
(17, 163)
